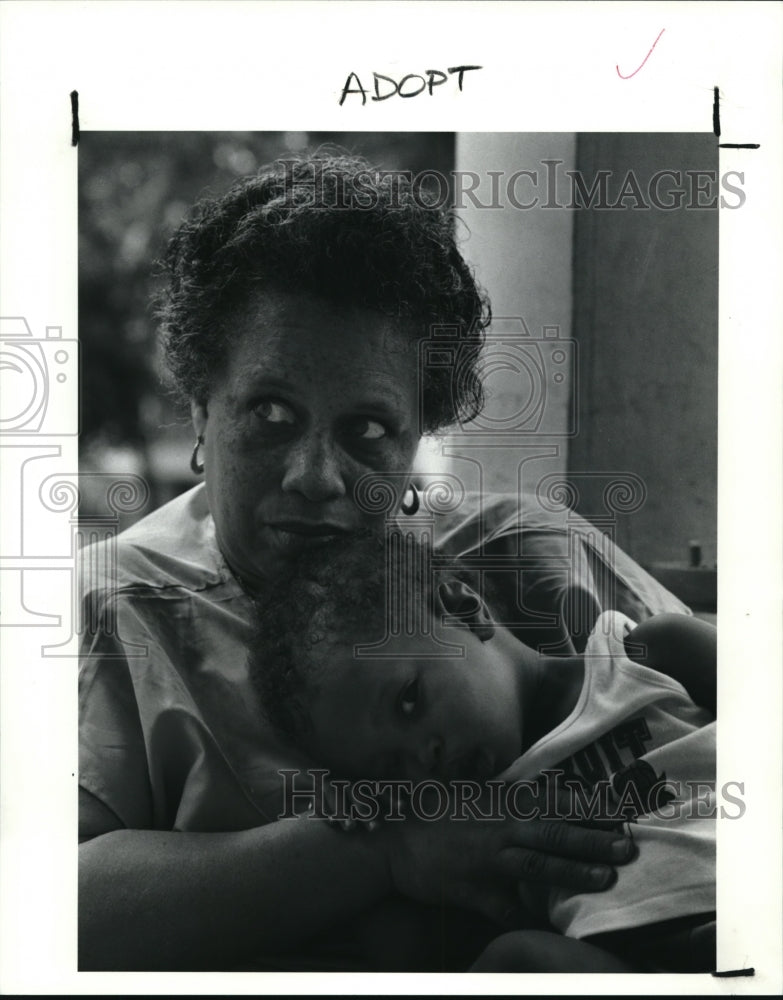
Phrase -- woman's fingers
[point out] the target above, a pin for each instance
(533, 867)
(480, 865)
(559, 854)
(570, 840)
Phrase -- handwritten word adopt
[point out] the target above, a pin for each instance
(411, 85)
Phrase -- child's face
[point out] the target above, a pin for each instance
(413, 716)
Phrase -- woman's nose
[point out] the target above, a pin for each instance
(313, 468)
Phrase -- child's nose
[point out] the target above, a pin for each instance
(430, 755)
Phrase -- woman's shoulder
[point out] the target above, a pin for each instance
(472, 519)
(174, 546)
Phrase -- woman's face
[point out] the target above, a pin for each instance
(311, 398)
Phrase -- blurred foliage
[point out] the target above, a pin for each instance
(134, 189)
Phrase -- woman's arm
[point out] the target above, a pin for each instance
(166, 900)
(685, 648)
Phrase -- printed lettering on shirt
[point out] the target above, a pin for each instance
(634, 787)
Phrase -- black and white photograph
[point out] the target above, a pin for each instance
(396, 420)
(373, 517)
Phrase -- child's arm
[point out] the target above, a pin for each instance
(685, 648)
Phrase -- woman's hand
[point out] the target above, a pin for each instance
(488, 864)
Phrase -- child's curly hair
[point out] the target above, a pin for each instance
(337, 592)
(338, 228)
(349, 595)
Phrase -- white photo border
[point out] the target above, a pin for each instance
(266, 66)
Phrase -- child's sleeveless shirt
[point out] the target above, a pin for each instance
(637, 746)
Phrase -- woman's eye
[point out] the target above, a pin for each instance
(369, 430)
(408, 698)
(274, 412)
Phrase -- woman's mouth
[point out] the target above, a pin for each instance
(309, 529)
(294, 535)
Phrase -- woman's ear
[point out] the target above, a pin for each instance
(462, 602)
(198, 416)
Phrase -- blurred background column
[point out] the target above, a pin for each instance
(522, 255)
(646, 320)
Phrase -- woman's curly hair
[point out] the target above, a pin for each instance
(337, 228)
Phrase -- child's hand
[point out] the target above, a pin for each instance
(682, 647)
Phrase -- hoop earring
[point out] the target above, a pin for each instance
(195, 466)
(411, 508)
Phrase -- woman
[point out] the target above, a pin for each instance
(291, 325)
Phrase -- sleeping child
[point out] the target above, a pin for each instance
(382, 667)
